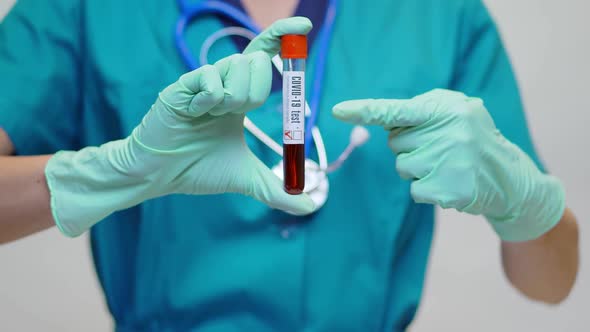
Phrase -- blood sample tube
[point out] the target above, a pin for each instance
(294, 53)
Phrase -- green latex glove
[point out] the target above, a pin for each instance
(191, 142)
(448, 144)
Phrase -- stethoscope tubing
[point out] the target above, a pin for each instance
(325, 37)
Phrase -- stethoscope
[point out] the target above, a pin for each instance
(317, 185)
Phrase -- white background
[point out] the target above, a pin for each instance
(47, 283)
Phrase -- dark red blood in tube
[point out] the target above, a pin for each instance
(293, 168)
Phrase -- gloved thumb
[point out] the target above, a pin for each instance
(264, 186)
(269, 40)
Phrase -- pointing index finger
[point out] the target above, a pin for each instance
(388, 113)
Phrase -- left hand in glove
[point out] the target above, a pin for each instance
(448, 144)
(191, 142)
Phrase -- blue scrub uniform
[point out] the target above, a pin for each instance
(79, 73)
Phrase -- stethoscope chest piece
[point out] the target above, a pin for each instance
(316, 182)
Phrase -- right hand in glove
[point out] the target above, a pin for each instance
(191, 142)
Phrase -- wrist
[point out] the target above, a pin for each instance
(88, 185)
(541, 209)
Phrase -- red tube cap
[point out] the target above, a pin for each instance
(294, 47)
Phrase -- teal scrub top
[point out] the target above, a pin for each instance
(79, 73)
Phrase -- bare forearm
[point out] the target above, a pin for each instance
(24, 197)
(6, 147)
(545, 269)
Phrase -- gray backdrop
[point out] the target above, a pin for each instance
(47, 283)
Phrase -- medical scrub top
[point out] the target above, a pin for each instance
(81, 73)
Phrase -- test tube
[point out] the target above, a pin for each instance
(294, 53)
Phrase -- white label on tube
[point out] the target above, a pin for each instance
(293, 107)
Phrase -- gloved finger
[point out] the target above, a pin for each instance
(433, 190)
(426, 191)
(195, 92)
(263, 185)
(260, 81)
(235, 76)
(404, 141)
(414, 165)
(269, 40)
(388, 113)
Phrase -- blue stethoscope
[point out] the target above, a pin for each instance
(316, 180)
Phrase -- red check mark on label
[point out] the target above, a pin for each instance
(288, 134)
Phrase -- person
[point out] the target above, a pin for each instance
(172, 254)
